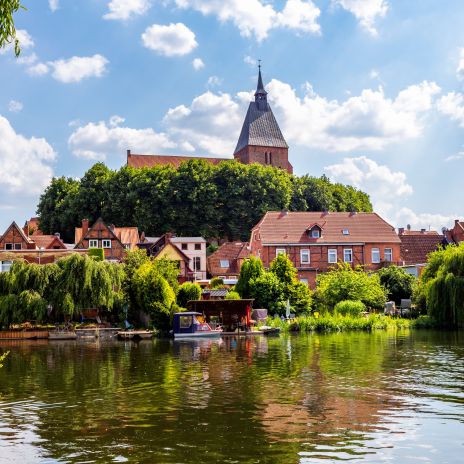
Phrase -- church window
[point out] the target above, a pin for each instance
(270, 157)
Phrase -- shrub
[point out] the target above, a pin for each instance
(351, 308)
(216, 282)
(98, 254)
(232, 296)
(252, 268)
(188, 291)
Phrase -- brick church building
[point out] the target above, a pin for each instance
(260, 141)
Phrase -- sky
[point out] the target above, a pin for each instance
(368, 92)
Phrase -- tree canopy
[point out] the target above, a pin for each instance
(7, 26)
(223, 201)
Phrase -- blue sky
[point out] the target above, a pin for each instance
(370, 92)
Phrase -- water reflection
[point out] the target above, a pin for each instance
(358, 397)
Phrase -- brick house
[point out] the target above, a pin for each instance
(317, 241)
(456, 234)
(227, 260)
(113, 240)
(260, 140)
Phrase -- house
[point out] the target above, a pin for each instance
(113, 240)
(456, 234)
(227, 260)
(194, 248)
(164, 247)
(416, 245)
(16, 243)
(260, 140)
(316, 241)
(31, 227)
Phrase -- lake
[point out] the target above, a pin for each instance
(357, 397)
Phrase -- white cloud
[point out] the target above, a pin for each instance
(210, 123)
(15, 106)
(257, 17)
(456, 157)
(126, 9)
(54, 5)
(173, 40)
(23, 162)
(198, 64)
(388, 190)
(250, 61)
(301, 16)
(99, 140)
(38, 69)
(368, 121)
(78, 68)
(365, 11)
(460, 68)
(214, 81)
(25, 42)
(452, 105)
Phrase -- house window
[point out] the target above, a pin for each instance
(375, 255)
(224, 263)
(13, 246)
(345, 232)
(304, 281)
(93, 243)
(332, 256)
(388, 254)
(197, 246)
(315, 233)
(5, 266)
(184, 246)
(280, 251)
(305, 257)
(197, 263)
(106, 243)
(348, 255)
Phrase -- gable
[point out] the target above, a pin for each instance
(171, 252)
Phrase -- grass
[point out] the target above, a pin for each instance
(338, 323)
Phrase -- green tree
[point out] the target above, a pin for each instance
(346, 283)
(283, 268)
(216, 282)
(443, 284)
(268, 292)
(188, 291)
(7, 26)
(252, 268)
(232, 295)
(398, 283)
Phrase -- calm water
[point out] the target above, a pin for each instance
(299, 399)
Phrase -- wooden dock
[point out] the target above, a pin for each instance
(23, 334)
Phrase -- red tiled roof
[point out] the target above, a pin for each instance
(420, 232)
(416, 247)
(45, 241)
(278, 227)
(127, 235)
(230, 251)
(148, 161)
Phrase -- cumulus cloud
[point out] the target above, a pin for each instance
(24, 162)
(78, 68)
(214, 81)
(38, 69)
(25, 41)
(126, 9)
(15, 106)
(388, 190)
(53, 5)
(368, 121)
(365, 11)
(99, 140)
(198, 64)
(173, 40)
(257, 17)
(250, 61)
(452, 105)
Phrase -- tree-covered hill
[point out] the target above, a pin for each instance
(223, 201)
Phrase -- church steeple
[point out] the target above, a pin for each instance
(260, 94)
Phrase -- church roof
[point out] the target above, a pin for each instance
(260, 128)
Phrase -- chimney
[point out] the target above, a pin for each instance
(57, 234)
(409, 226)
(26, 229)
(456, 222)
(400, 230)
(284, 212)
(85, 227)
(422, 231)
(112, 227)
(353, 213)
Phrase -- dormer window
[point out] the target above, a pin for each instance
(315, 233)
(345, 232)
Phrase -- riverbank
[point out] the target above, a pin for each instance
(338, 323)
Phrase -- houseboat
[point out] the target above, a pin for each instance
(193, 325)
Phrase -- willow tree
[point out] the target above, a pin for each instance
(7, 26)
(443, 284)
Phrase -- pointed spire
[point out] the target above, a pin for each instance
(260, 94)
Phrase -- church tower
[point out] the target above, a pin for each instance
(261, 140)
